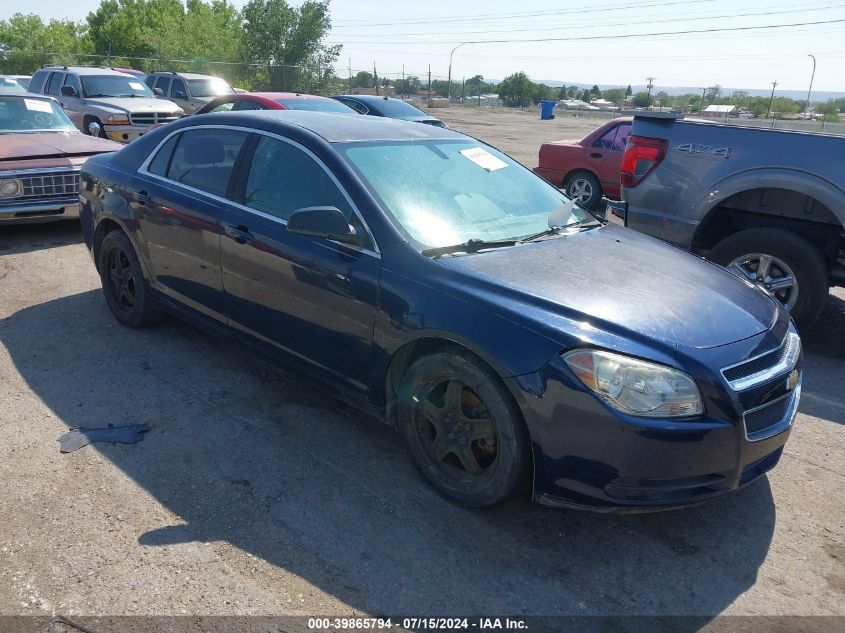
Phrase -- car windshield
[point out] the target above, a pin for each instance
(113, 86)
(396, 108)
(10, 85)
(31, 114)
(210, 87)
(449, 192)
(316, 105)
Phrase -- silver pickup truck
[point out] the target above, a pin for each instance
(767, 204)
(104, 102)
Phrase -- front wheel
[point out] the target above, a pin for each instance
(463, 430)
(783, 264)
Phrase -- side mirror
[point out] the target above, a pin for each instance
(68, 91)
(326, 222)
(179, 95)
(158, 92)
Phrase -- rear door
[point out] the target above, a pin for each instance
(179, 198)
(311, 298)
(605, 157)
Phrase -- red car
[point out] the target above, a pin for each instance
(273, 101)
(588, 169)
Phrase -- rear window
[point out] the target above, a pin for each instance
(54, 84)
(396, 108)
(316, 105)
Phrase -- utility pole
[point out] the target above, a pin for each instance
(463, 89)
(650, 86)
(429, 85)
(375, 78)
(449, 91)
(350, 75)
(703, 95)
(404, 87)
(772, 98)
(807, 107)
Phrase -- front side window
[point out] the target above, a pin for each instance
(283, 178)
(19, 113)
(448, 192)
(113, 86)
(178, 90)
(204, 158)
(246, 104)
(163, 84)
(54, 84)
(222, 107)
(211, 87)
(73, 81)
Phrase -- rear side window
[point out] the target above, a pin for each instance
(622, 134)
(38, 81)
(204, 158)
(158, 165)
(163, 84)
(283, 178)
(149, 80)
(358, 107)
(245, 104)
(54, 84)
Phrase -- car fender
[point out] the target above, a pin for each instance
(115, 209)
(820, 189)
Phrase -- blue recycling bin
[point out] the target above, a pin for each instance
(547, 110)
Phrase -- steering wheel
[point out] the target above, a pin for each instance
(43, 119)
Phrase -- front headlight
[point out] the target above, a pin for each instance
(10, 188)
(118, 119)
(636, 387)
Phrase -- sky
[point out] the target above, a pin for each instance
(610, 42)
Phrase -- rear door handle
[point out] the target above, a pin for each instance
(142, 198)
(595, 155)
(239, 233)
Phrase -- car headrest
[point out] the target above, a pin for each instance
(203, 150)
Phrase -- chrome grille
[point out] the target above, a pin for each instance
(771, 418)
(44, 186)
(151, 118)
(759, 369)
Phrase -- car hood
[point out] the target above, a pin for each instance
(49, 144)
(622, 279)
(135, 104)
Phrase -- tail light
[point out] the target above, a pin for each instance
(642, 155)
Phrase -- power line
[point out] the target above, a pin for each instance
(613, 37)
(626, 23)
(499, 16)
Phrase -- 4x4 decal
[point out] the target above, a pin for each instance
(697, 148)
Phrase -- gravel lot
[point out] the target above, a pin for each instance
(257, 493)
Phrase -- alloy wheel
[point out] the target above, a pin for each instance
(581, 190)
(121, 279)
(769, 273)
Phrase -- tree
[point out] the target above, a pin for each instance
(642, 100)
(828, 110)
(714, 93)
(517, 90)
(628, 91)
(663, 97)
(362, 79)
(614, 95)
(292, 41)
(595, 92)
(27, 42)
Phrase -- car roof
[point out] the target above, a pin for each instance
(87, 70)
(186, 75)
(340, 128)
(372, 98)
(281, 95)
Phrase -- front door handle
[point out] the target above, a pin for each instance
(142, 198)
(595, 155)
(239, 233)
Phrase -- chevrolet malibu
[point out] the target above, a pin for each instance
(516, 341)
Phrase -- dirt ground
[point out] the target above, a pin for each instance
(255, 492)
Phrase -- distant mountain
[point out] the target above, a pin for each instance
(818, 95)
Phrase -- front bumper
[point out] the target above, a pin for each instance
(39, 212)
(125, 133)
(587, 455)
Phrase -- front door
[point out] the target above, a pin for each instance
(179, 95)
(312, 298)
(72, 105)
(179, 202)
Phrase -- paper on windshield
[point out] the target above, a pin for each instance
(135, 85)
(483, 158)
(36, 105)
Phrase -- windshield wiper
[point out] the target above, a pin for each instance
(470, 246)
(555, 229)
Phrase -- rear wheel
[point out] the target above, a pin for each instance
(123, 282)
(783, 264)
(464, 433)
(585, 188)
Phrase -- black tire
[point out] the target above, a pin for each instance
(482, 443)
(804, 260)
(90, 119)
(584, 180)
(123, 282)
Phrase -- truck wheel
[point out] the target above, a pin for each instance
(585, 188)
(782, 263)
(87, 121)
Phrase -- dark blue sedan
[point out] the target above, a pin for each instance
(388, 107)
(515, 340)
